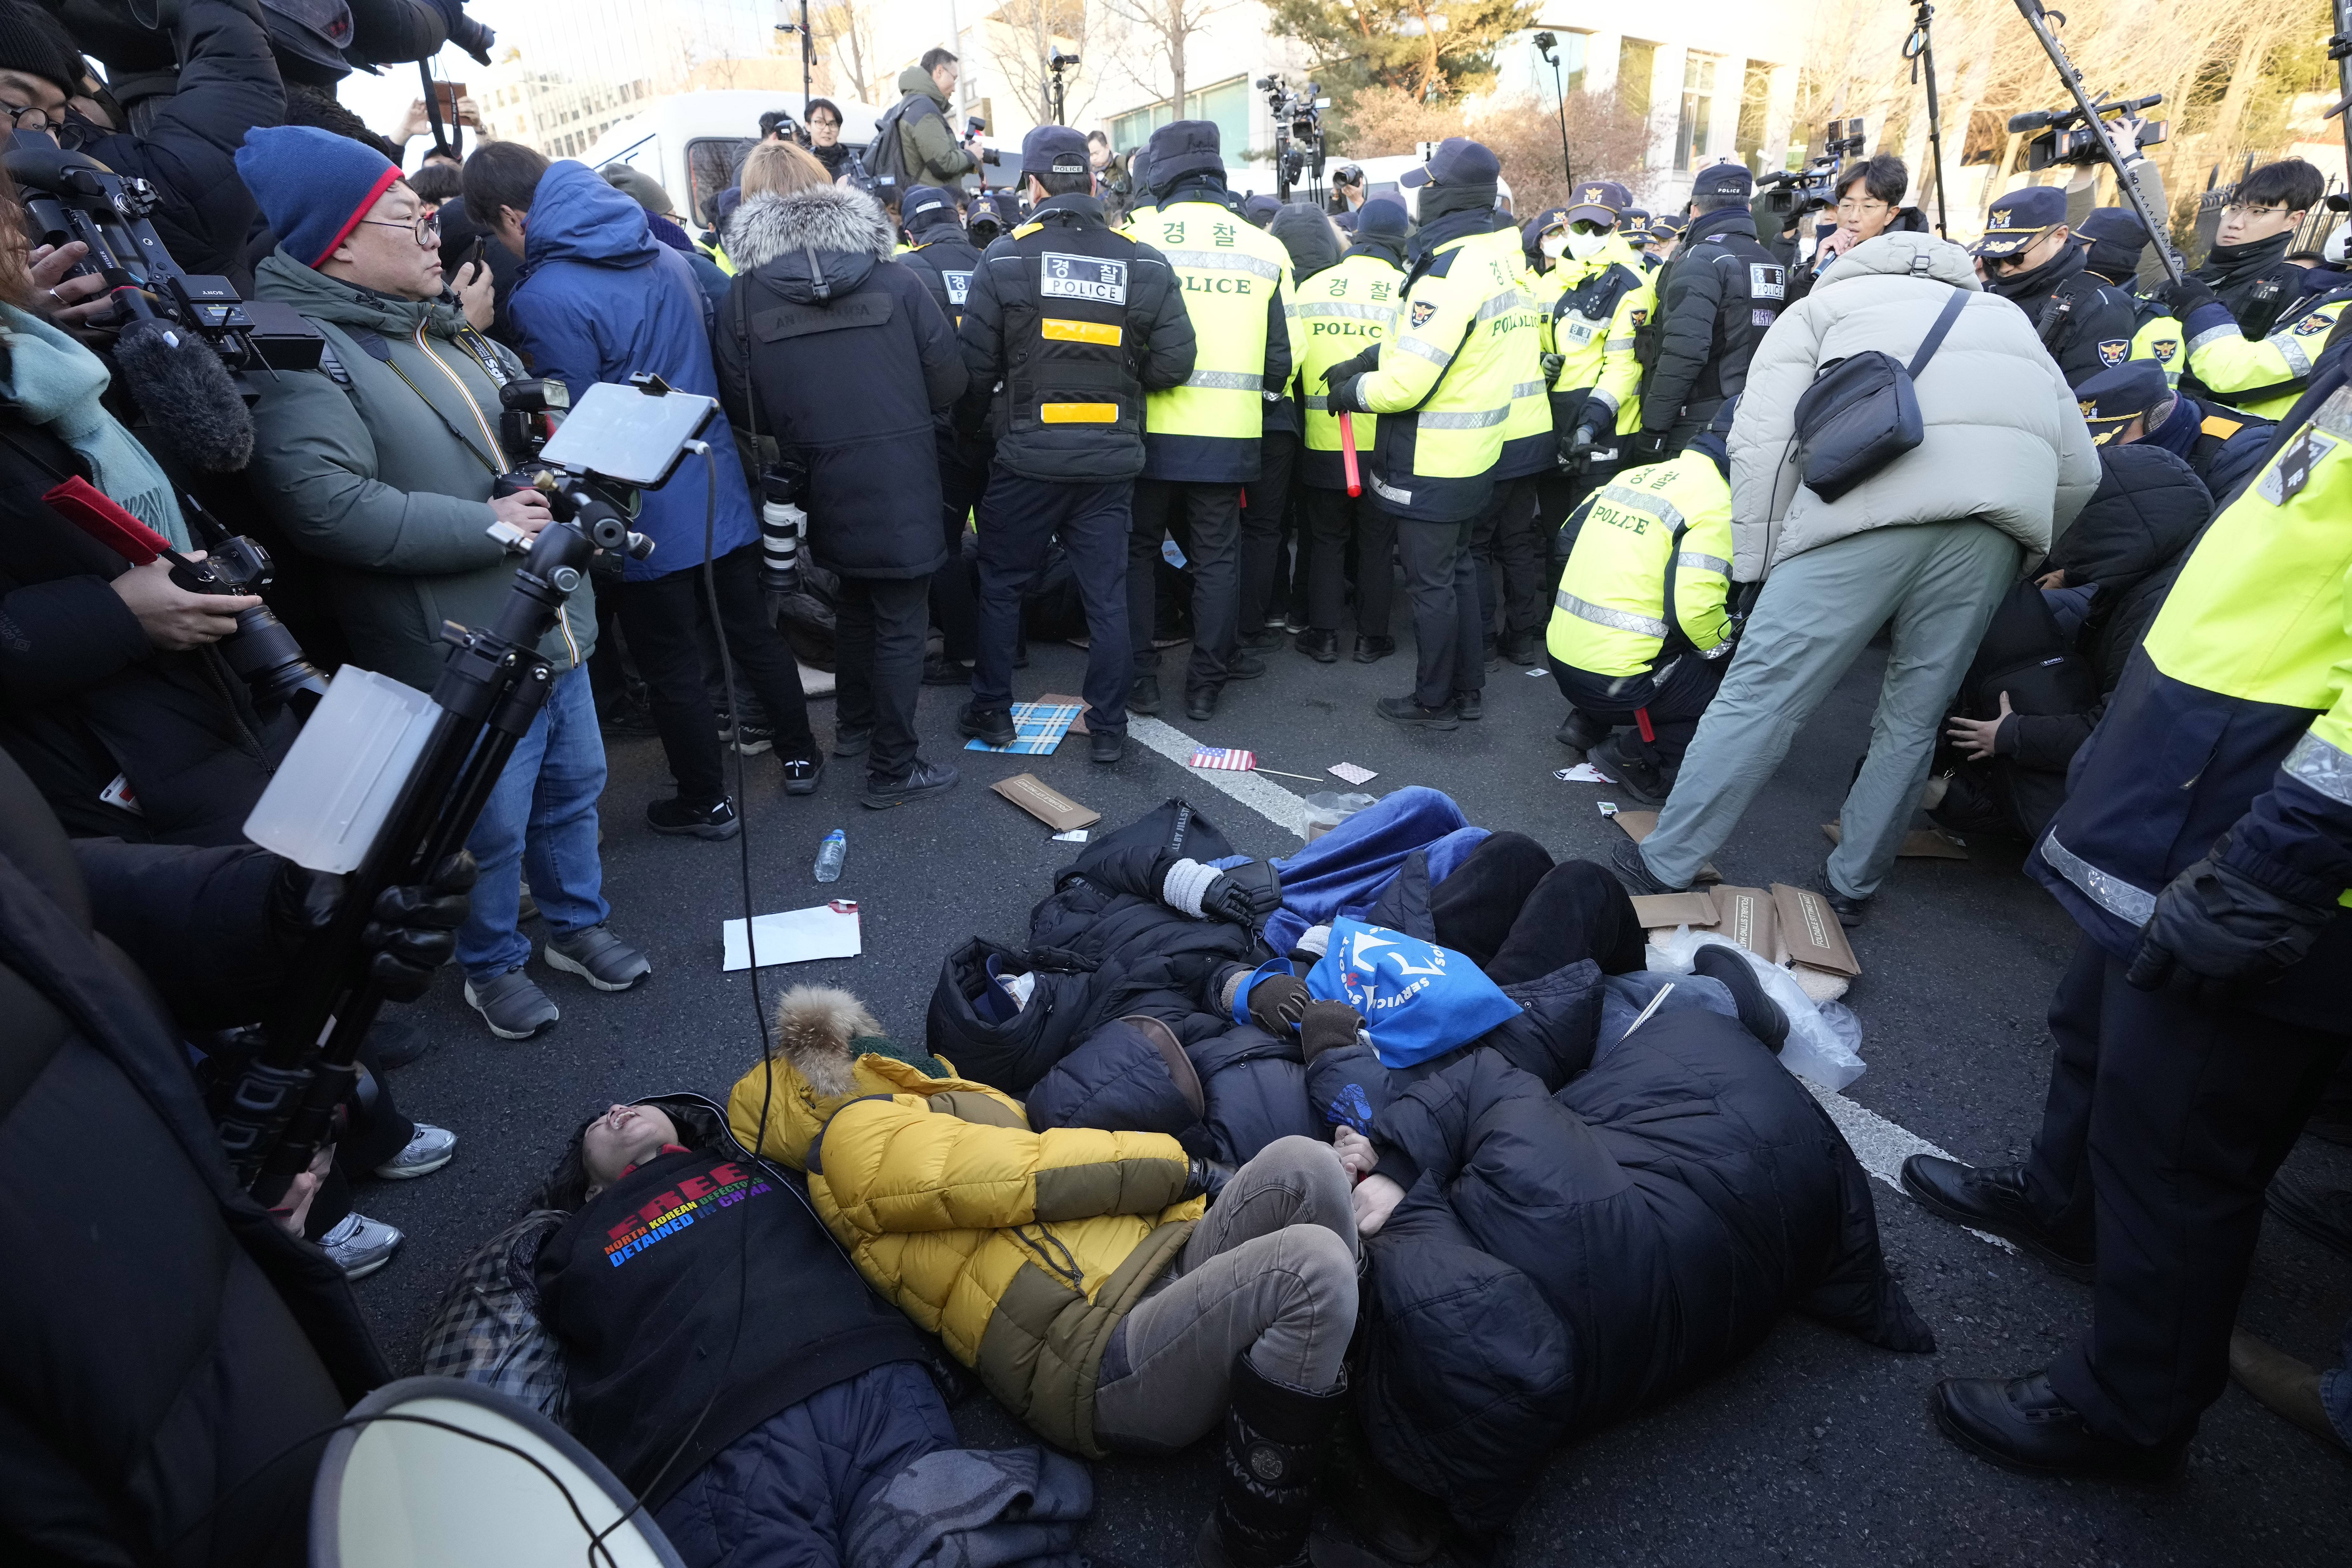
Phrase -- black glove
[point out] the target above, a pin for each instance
(1327, 1025)
(1576, 450)
(1243, 896)
(2216, 933)
(415, 930)
(1646, 447)
(1354, 365)
(1552, 363)
(1277, 1002)
(1205, 1178)
(2186, 296)
(1344, 396)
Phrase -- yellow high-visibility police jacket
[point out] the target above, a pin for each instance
(2160, 337)
(1342, 310)
(1602, 301)
(2264, 375)
(1529, 444)
(1238, 291)
(1651, 570)
(1449, 377)
(1021, 1250)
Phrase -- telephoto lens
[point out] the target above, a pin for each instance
(781, 525)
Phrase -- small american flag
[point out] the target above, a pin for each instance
(1224, 757)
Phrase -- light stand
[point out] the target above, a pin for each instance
(1920, 49)
(808, 51)
(2038, 20)
(1546, 44)
(1057, 62)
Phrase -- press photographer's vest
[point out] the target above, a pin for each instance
(1066, 359)
(1230, 271)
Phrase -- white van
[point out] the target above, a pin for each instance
(1248, 179)
(694, 142)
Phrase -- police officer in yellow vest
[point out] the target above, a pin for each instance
(1076, 324)
(2205, 848)
(1448, 376)
(1342, 310)
(2117, 240)
(1202, 440)
(1640, 630)
(1510, 552)
(1606, 294)
(2262, 375)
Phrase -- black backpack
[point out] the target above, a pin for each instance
(1862, 411)
(887, 177)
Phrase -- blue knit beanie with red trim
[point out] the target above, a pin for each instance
(312, 186)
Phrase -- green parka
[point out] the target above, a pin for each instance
(934, 156)
(388, 480)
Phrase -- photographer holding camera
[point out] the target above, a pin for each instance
(383, 463)
(927, 145)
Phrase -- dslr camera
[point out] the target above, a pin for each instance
(261, 650)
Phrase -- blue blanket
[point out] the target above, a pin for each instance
(1345, 871)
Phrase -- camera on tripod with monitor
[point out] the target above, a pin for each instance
(1298, 132)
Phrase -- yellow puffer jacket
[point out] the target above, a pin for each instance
(1021, 1250)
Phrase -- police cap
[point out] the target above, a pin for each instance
(924, 205)
(1724, 180)
(1055, 149)
(1260, 209)
(1458, 161)
(1183, 147)
(2117, 236)
(1381, 218)
(2113, 398)
(2020, 218)
(1598, 201)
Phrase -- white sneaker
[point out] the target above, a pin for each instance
(429, 1149)
(360, 1245)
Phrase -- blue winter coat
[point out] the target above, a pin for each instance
(1347, 870)
(601, 300)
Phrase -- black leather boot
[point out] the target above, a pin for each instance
(2020, 1423)
(1991, 1198)
(1275, 1440)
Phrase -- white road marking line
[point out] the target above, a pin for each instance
(1881, 1145)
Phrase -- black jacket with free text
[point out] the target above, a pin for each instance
(1715, 300)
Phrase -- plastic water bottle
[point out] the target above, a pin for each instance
(830, 855)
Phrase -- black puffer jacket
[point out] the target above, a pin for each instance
(1102, 947)
(228, 83)
(170, 1340)
(85, 697)
(849, 360)
(1225, 1096)
(1577, 1245)
(1716, 298)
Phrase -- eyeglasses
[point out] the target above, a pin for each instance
(2240, 209)
(426, 227)
(1850, 207)
(42, 119)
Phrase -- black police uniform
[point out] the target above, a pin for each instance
(2085, 323)
(1716, 298)
(1076, 324)
(945, 259)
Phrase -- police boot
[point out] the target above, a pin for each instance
(1143, 697)
(1275, 1440)
(1323, 647)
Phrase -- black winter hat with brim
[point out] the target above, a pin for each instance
(1184, 147)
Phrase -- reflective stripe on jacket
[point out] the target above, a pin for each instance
(1669, 522)
(1237, 289)
(1529, 444)
(1596, 351)
(2235, 718)
(1342, 310)
(2262, 375)
(1449, 375)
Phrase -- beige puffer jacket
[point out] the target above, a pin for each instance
(2005, 441)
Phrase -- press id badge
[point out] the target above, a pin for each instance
(1082, 277)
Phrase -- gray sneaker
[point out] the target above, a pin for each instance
(512, 1005)
(429, 1148)
(360, 1245)
(599, 957)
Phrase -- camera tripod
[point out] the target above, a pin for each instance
(1919, 48)
(2037, 18)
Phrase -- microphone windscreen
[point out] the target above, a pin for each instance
(187, 396)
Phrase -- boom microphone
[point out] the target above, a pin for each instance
(2032, 119)
(186, 395)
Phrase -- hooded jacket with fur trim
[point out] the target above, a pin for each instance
(843, 359)
(1021, 1250)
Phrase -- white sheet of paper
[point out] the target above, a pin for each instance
(1583, 773)
(1351, 774)
(795, 936)
(1074, 835)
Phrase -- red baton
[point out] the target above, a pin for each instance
(1347, 453)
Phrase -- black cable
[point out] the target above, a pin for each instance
(597, 1551)
(750, 949)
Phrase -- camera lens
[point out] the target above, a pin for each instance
(268, 660)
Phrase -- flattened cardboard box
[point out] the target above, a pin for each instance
(1748, 917)
(1919, 844)
(1811, 929)
(1663, 911)
(1050, 806)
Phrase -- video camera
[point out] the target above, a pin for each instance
(530, 416)
(385, 784)
(1793, 192)
(2069, 137)
(1298, 132)
(70, 196)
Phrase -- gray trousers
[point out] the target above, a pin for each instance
(1270, 1270)
(1939, 583)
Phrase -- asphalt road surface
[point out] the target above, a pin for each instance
(1817, 1448)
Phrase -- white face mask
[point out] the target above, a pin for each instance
(1552, 243)
(1585, 246)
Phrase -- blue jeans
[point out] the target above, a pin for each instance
(541, 814)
